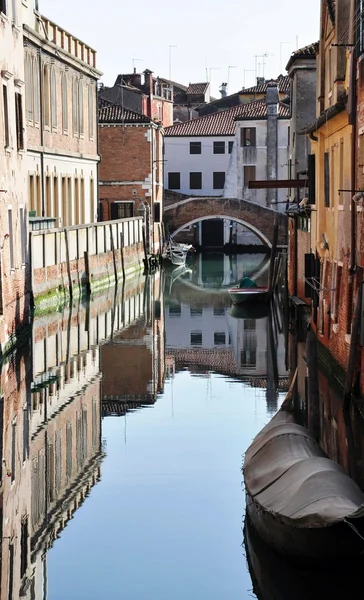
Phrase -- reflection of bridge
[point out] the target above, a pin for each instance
(259, 219)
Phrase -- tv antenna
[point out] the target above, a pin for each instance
(263, 56)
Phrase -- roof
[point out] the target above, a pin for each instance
(282, 81)
(197, 88)
(116, 114)
(308, 51)
(223, 122)
(258, 110)
(219, 104)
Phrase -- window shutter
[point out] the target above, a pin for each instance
(309, 274)
(327, 179)
(311, 179)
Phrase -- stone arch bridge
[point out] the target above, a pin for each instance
(259, 219)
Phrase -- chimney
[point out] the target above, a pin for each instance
(148, 81)
(272, 101)
(223, 90)
(136, 79)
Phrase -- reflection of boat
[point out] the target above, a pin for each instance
(175, 253)
(241, 295)
(249, 311)
(173, 273)
(275, 578)
(300, 502)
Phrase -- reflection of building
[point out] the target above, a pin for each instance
(50, 433)
(139, 350)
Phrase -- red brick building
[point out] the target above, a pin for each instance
(131, 168)
(143, 94)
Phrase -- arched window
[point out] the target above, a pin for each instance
(80, 107)
(54, 97)
(29, 87)
(46, 97)
(36, 98)
(75, 106)
(91, 111)
(64, 103)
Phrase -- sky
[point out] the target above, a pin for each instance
(193, 41)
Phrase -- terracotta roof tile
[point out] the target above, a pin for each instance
(223, 122)
(307, 51)
(116, 114)
(283, 84)
(197, 88)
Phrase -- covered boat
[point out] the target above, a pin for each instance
(248, 291)
(175, 253)
(301, 503)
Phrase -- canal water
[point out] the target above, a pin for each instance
(125, 422)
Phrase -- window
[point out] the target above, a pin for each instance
(13, 449)
(247, 136)
(174, 181)
(6, 117)
(195, 181)
(219, 180)
(219, 147)
(249, 175)
(11, 238)
(196, 338)
(46, 96)
(196, 311)
(327, 179)
(248, 358)
(80, 107)
(36, 89)
(231, 144)
(69, 450)
(3, 7)
(19, 121)
(29, 86)
(64, 92)
(91, 111)
(54, 98)
(75, 106)
(219, 311)
(122, 210)
(23, 234)
(195, 147)
(160, 112)
(219, 338)
(157, 212)
(175, 310)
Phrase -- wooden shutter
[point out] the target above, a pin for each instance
(327, 178)
(311, 179)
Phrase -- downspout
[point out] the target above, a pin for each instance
(98, 218)
(41, 128)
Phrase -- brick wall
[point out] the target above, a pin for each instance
(261, 218)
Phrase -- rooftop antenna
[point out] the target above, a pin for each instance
(136, 60)
(213, 69)
(170, 61)
(263, 56)
(280, 55)
(228, 77)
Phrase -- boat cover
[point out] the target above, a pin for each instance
(288, 474)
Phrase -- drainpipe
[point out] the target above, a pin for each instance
(352, 121)
(41, 129)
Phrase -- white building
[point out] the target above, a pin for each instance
(260, 150)
(197, 153)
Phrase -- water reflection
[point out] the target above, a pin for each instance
(196, 379)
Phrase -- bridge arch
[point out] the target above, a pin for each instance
(257, 232)
(257, 218)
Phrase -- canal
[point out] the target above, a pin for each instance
(125, 421)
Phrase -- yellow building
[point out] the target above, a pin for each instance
(330, 176)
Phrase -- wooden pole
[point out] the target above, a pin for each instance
(145, 250)
(354, 341)
(272, 257)
(313, 386)
(70, 290)
(87, 271)
(113, 254)
(122, 254)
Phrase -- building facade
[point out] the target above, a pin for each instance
(14, 248)
(61, 122)
(131, 169)
(260, 151)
